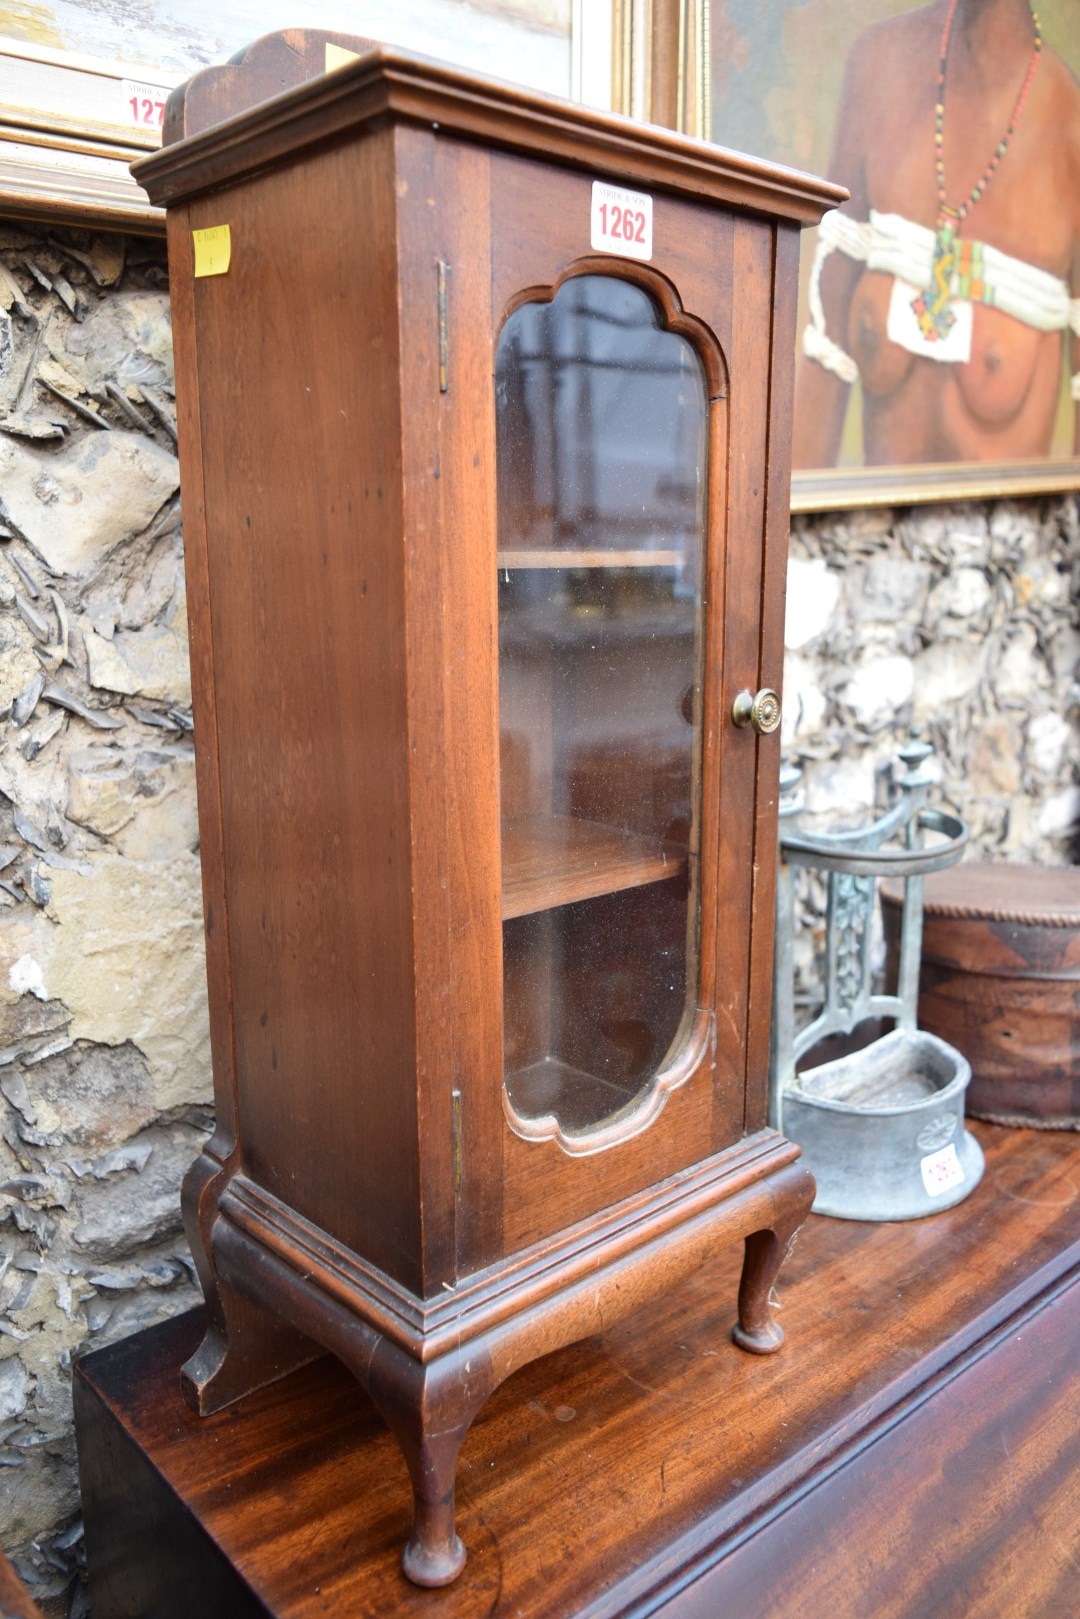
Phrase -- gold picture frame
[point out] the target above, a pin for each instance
(65, 142)
(67, 133)
(661, 72)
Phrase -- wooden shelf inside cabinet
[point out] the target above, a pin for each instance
(527, 634)
(576, 1098)
(554, 558)
(558, 860)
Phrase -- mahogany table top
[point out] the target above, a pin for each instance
(914, 1449)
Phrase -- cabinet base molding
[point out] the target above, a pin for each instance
(429, 1365)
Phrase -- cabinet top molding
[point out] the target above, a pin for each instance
(276, 100)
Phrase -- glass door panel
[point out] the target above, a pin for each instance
(602, 432)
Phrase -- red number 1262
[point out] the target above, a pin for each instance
(627, 224)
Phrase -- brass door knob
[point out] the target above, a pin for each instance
(762, 711)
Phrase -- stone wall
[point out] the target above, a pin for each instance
(104, 1066)
(958, 620)
(960, 623)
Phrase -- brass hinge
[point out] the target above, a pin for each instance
(444, 335)
(455, 1115)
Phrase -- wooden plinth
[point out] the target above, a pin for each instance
(914, 1450)
(15, 1600)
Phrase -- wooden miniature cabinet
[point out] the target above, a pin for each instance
(485, 500)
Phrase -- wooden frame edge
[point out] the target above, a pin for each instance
(60, 165)
(44, 192)
(830, 489)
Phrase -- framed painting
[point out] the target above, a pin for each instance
(83, 87)
(69, 128)
(939, 322)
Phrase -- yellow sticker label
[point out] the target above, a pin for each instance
(213, 250)
(338, 56)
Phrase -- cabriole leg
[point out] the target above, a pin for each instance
(429, 1410)
(757, 1330)
(244, 1347)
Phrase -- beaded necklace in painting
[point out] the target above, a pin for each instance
(951, 255)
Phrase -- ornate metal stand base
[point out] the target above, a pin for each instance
(882, 1127)
(883, 1130)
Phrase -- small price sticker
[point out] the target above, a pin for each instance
(144, 104)
(621, 221)
(337, 56)
(941, 1171)
(213, 249)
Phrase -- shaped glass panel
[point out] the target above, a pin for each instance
(602, 435)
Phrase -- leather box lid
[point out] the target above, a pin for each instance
(1017, 920)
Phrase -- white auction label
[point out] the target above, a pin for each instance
(941, 1171)
(621, 221)
(144, 104)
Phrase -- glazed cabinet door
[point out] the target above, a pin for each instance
(631, 393)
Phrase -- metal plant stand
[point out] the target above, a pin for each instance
(882, 1128)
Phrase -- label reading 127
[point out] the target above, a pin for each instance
(621, 221)
(144, 104)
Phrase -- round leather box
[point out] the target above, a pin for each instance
(1000, 981)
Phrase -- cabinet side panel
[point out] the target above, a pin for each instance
(770, 666)
(208, 785)
(467, 447)
(298, 366)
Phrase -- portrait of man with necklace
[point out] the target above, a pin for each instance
(949, 285)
